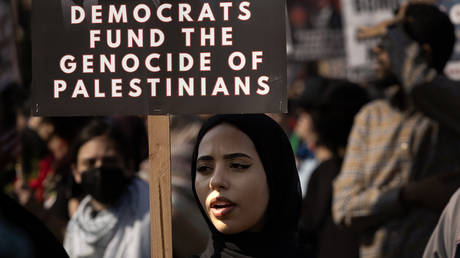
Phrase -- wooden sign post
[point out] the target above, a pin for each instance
(160, 186)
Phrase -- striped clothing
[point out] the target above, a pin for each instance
(388, 148)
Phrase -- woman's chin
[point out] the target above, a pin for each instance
(225, 227)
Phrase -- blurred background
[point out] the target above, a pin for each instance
(35, 152)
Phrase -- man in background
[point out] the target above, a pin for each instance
(401, 164)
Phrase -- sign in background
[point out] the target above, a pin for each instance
(316, 30)
(142, 57)
(452, 8)
(357, 14)
(361, 13)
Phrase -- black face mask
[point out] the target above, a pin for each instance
(105, 184)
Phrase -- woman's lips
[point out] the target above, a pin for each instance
(221, 206)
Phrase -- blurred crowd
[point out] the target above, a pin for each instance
(377, 160)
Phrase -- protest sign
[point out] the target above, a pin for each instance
(143, 57)
(150, 57)
(357, 14)
(316, 30)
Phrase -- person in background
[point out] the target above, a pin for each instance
(44, 184)
(246, 184)
(312, 89)
(324, 125)
(113, 220)
(186, 217)
(445, 240)
(134, 129)
(23, 235)
(400, 164)
(11, 97)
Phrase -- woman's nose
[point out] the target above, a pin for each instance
(219, 179)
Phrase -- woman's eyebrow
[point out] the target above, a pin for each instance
(236, 155)
(205, 158)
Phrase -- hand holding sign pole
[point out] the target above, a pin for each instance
(148, 58)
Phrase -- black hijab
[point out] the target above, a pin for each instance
(279, 234)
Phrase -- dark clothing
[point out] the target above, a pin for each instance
(43, 243)
(278, 235)
(439, 100)
(246, 245)
(318, 232)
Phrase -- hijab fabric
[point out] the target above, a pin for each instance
(279, 234)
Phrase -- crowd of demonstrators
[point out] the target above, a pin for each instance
(49, 183)
(401, 164)
(43, 182)
(374, 178)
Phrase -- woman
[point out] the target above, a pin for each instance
(246, 184)
(113, 219)
(324, 124)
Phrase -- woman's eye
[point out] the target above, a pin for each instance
(203, 169)
(239, 166)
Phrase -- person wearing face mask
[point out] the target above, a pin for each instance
(113, 219)
(245, 182)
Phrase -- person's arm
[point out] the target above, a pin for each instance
(358, 205)
(442, 241)
(431, 193)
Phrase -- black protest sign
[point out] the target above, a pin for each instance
(94, 57)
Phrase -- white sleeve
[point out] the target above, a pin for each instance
(145, 244)
(444, 239)
(69, 239)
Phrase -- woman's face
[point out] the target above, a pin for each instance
(304, 129)
(230, 181)
(95, 153)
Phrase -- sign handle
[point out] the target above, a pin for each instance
(160, 186)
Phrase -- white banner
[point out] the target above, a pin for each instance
(356, 14)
